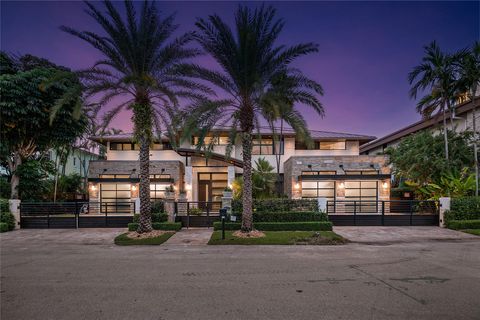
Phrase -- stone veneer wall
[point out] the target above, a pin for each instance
(295, 165)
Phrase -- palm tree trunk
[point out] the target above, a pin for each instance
(15, 180)
(475, 142)
(445, 134)
(145, 223)
(247, 217)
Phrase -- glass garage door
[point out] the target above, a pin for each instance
(115, 197)
(366, 192)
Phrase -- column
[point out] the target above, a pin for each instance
(231, 175)
(14, 207)
(189, 182)
(444, 206)
(170, 205)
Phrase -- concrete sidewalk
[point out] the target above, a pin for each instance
(190, 237)
(389, 235)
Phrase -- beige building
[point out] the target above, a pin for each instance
(333, 169)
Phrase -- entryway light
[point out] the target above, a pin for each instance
(385, 185)
(93, 187)
(134, 188)
(297, 186)
(341, 185)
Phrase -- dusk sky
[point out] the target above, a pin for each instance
(366, 48)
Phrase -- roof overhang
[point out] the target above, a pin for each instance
(209, 155)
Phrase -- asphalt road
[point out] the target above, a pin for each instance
(70, 274)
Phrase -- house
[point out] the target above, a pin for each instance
(462, 120)
(77, 161)
(333, 169)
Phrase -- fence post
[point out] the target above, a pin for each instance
(383, 213)
(354, 212)
(188, 215)
(444, 206)
(14, 206)
(76, 214)
(208, 215)
(411, 212)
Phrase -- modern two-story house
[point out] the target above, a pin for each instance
(333, 169)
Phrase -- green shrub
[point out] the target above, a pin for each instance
(292, 216)
(467, 208)
(156, 217)
(4, 207)
(3, 227)
(280, 226)
(278, 205)
(4, 187)
(463, 224)
(8, 218)
(175, 226)
(158, 207)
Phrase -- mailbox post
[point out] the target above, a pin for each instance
(223, 216)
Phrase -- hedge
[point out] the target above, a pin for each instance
(279, 226)
(175, 226)
(3, 227)
(467, 208)
(7, 218)
(463, 224)
(292, 216)
(278, 205)
(156, 217)
(4, 207)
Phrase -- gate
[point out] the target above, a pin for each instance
(383, 213)
(63, 215)
(198, 213)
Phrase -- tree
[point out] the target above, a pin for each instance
(437, 74)
(25, 111)
(141, 66)
(470, 82)
(263, 181)
(253, 71)
(419, 157)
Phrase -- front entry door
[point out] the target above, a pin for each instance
(204, 191)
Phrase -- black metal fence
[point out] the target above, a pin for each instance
(383, 213)
(198, 213)
(76, 214)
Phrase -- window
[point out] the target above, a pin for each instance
(135, 146)
(121, 146)
(160, 176)
(208, 140)
(266, 146)
(360, 172)
(318, 173)
(162, 146)
(157, 190)
(333, 145)
(114, 176)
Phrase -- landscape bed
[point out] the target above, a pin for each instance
(124, 240)
(280, 238)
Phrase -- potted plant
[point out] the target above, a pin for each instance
(227, 192)
(195, 211)
(170, 191)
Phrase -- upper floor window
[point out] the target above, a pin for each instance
(120, 146)
(114, 176)
(160, 176)
(267, 146)
(318, 173)
(323, 145)
(211, 140)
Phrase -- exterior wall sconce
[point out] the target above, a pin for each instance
(134, 188)
(188, 187)
(385, 185)
(297, 186)
(93, 187)
(341, 185)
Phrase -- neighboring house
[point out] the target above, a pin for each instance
(333, 169)
(78, 161)
(462, 121)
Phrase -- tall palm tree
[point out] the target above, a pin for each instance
(139, 65)
(470, 82)
(251, 63)
(437, 74)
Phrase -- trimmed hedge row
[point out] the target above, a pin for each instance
(167, 226)
(279, 226)
(3, 227)
(466, 208)
(291, 216)
(278, 205)
(156, 217)
(8, 218)
(463, 224)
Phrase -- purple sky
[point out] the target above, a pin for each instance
(366, 48)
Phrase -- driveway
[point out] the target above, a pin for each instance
(389, 235)
(80, 274)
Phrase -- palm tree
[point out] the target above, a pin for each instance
(139, 66)
(437, 74)
(251, 65)
(470, 82)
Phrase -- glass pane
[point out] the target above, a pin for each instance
(108, 186)
(309, 184)
(123, 194)
(332, 145)
(326, 193)
(352, 184)
(326, 184)
(107, 176)
(123, 186)
(267, 149)
(219, 176)
(256, 150)
(152, 194)
(369, 192)
(157, 146)
(204, 176)
(219, 184)
(115, 146)
(108, 194)
(136, 146)
(223, 140)
(127, 146)
(367, 172)
(122, 176)
(369, 184)
(352, 192)
(352, 172)
(309, 193)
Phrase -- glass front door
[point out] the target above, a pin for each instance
(211, 186)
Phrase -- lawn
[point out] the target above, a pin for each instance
(472, 231)
(124, 240)
(280, 238)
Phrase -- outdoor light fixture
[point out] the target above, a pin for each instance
(188, 187)
(134, 188)
(93, 187)
(297, 186)
(341, 185)
(385, 185)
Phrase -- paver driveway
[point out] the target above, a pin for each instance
(80, 274)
